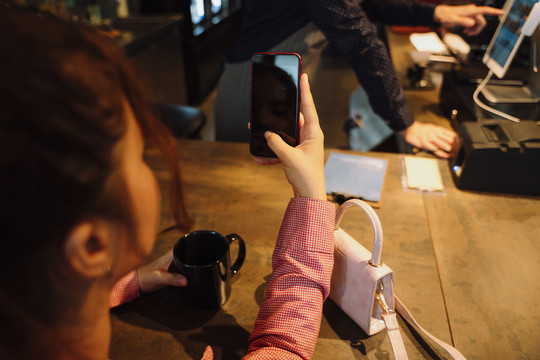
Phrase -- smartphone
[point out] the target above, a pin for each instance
(275, 99)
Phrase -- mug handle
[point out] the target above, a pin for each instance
(241, 252)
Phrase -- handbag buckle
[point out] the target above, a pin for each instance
(379, 296)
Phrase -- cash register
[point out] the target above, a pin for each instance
(500, 149)
(495, 156)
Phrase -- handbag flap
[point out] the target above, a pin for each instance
(355, 281)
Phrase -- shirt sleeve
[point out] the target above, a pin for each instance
(125, 290)
(400, 12)
(350, 31)
(288, 322)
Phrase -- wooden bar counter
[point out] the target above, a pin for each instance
(465, 265)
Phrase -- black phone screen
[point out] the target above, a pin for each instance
(275, 101)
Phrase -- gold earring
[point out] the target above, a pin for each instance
(107, 269)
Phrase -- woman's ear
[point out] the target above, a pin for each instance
(88, 248)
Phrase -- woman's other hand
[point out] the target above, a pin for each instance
(154, 276)
(303, 164)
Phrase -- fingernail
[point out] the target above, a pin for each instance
(182, 281)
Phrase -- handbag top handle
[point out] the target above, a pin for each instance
(375, 222)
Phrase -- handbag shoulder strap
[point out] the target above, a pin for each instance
(392, 328)
(375, 222)
(452, 351)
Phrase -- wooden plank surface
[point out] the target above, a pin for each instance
(488, 250)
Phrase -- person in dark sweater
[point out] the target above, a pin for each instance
(305, 27)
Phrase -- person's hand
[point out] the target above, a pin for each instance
(154, 276)
(431, 137)
(303, 164)
(471, 17)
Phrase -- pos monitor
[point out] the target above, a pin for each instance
(507, 38)
(502, 49)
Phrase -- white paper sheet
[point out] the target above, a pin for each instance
(423, 174)
(356, 175)
(429, 43)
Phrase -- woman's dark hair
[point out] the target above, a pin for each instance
(63, 87)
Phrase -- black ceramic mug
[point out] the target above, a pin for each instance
(203, 257)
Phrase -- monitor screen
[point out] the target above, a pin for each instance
(506, 41)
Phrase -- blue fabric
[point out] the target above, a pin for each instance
(369, 130)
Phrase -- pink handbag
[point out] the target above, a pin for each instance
(363, 286)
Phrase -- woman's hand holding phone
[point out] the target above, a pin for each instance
(303, 164)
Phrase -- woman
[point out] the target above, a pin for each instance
(80, 207)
